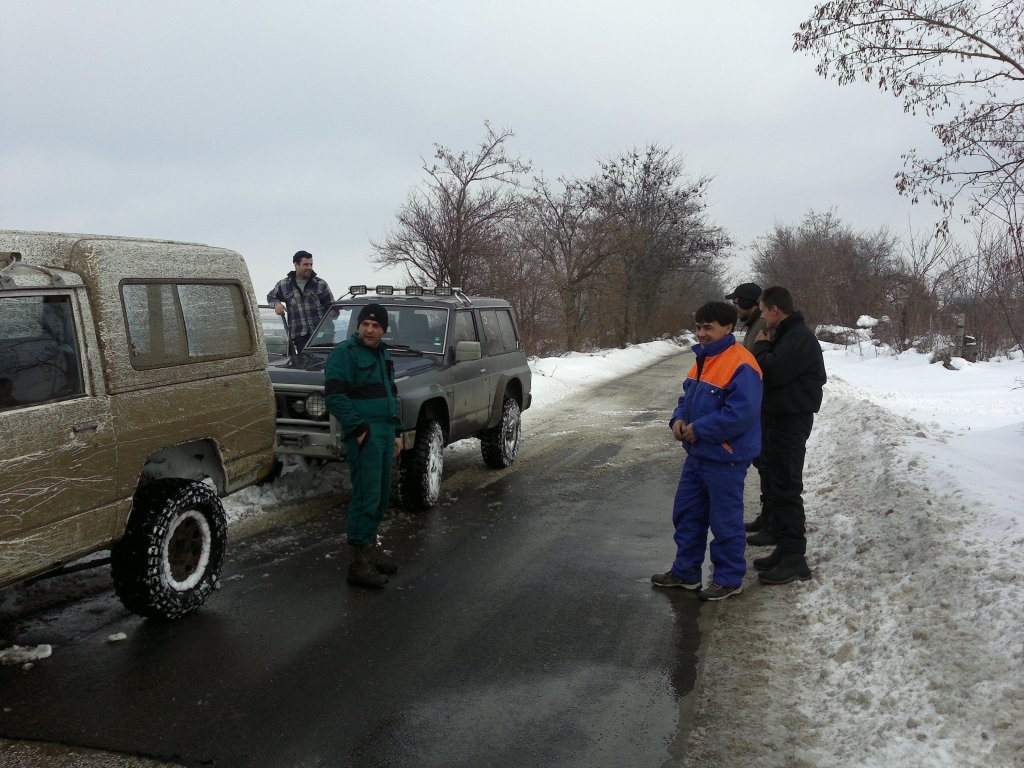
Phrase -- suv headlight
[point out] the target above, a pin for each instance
(316, 406)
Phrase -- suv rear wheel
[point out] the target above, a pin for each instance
(500, 445)
(420, 473)
(169, 560)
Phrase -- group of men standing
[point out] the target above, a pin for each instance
(746, 404)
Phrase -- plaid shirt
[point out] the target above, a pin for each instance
(305, 307)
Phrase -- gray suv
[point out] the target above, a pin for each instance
(460, 369)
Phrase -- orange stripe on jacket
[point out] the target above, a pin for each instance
(719, 370)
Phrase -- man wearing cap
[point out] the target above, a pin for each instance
(304, 296)
(744, 298)
(362, 396)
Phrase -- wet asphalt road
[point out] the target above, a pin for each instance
(521, 630)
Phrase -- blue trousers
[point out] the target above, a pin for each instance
(710, 496)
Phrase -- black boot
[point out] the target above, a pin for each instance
(791, 567)
(766, 537)
(770, 561)
(755, 525)
(362, 572)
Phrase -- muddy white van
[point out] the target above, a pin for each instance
(133, 395)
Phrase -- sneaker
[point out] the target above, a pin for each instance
(671, 580)
(718, 592)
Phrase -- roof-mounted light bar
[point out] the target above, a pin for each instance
(409, 290)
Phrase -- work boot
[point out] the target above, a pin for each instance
(770, 561)
(716, 591)
(792, 567)
(755, 525)
(362, 572)
(381, 561)
(669, 579)
(766, 537)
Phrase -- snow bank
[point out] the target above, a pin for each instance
(557, 377)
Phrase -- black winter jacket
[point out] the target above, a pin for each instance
(793, 369)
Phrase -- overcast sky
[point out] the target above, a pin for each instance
(270, 127)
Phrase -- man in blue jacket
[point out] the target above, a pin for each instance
(718, 421)
(362, 396)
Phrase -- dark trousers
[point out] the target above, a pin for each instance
(783, 447)
(369, 467)
(300, 342)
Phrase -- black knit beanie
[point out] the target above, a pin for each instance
(373, 312)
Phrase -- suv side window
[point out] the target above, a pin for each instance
(179, 323)
(465, 327)
(39, 359)
(500, 331)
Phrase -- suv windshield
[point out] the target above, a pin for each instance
(419, 328)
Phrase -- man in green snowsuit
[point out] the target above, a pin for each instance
(362, 396)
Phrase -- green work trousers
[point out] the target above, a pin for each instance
(369, 467)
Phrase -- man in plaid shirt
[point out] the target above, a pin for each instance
(304, 296)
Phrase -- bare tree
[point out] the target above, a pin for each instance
(521, 279)
(912, 291)
(659, 224)
(964, 57)
(567, 233)
(835, 274)
(961, 63)
(451, 226)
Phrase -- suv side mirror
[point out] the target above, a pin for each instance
(467, 350)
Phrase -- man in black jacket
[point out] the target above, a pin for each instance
(794, 373)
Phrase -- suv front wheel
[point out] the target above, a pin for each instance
(169, 560)
(422, 465)
(500, 445)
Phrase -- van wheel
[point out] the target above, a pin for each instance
(170, 558)
(500, 445)
(421, 468)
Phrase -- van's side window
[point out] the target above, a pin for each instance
(499, 330)
(179, 323)
(39, 360)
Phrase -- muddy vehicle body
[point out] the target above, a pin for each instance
(460, 370)
(133, 395)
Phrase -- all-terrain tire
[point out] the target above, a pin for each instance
(421, 468)
(500, 445)
(170, 557)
